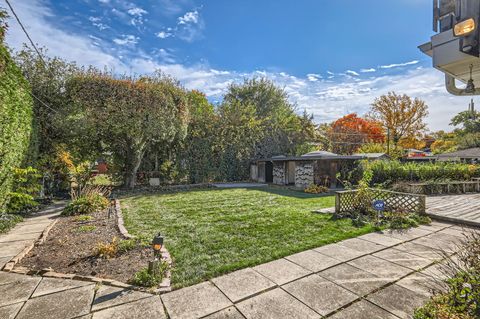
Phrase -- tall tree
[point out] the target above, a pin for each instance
(350, 132)
(282, 130)
(130, 114)
(401, 114)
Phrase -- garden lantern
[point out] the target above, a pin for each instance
(154, 265)
(157, 245)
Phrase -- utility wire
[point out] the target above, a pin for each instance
(25, 31)
(36, 50)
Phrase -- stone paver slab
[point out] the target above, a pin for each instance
(61, 305)
(4, 261)
(242, 284)
(313, 260)
(9, 312)
(438, 242)
(404, 259)
(363, 310)
(51, 285)
(8, 277)
(408, 234)
(13, 248)
(29, 228)
(320, 294)
(18, 237)
(229, 313)
(421, 284)
(380, 267)
(381, 239)
(195, 301)
(17, 290)
(455, 232)
(147, 308)
(108, 296)
(363, 246)
(281, 271)
(275, 304)
(354, 279)
(419, 250)
(337, 251)
(398, 300)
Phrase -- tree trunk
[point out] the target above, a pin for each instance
(133, 163)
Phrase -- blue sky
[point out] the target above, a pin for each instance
(332, 56)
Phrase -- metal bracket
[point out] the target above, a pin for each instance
(453, 89)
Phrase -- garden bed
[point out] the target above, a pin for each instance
(71, 244)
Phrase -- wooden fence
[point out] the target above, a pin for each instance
(438, 188)
(395, 202)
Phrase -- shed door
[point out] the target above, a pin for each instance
(269, 172)
(291, 173)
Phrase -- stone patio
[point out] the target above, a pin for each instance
(379, 275)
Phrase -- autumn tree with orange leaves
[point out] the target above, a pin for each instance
(401, 114)
(350, 132)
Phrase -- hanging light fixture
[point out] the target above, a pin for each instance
(470, 85)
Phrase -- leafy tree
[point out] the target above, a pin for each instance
(130, 114)
(282, 130)
(412, 142)
(470, 121)
(401, 114)
(351, 131)
(199, 150)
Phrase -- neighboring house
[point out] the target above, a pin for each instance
(318, 167)
(471, 155)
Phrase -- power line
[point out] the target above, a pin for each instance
(36, 50)
(25, 31)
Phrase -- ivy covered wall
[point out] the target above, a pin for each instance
(16, 121)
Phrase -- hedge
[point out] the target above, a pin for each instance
(390, 172)
(16, 121)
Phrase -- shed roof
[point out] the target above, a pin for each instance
(468, 153)
(319, 153)
(372, 155)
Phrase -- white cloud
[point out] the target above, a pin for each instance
(104, 1)
(189, 17)
(389, 66)
(312, 77)
(326, 99)
(350, 72)
(164, 34)
(136, 11)
(126, 39)
(368, 70)
(137, 14)
(97, 22)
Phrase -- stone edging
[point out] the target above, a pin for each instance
(165, 285)
(120, 222)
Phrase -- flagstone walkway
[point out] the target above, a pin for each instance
(378, 275)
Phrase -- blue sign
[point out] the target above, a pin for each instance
(379, 205)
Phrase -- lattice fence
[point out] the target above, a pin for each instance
(395, 202)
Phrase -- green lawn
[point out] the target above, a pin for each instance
(210, 232)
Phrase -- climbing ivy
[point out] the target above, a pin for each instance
(16, 120)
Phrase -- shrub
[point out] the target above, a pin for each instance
(86, 228)
(86, 204)
(8, 221)
(392, 172)
(145, 279)
(24, 189)
(462, 297)
(126, 245)
(107, 250)
(83, 218)
(316, 189)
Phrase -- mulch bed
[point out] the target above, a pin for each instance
(70, 250)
